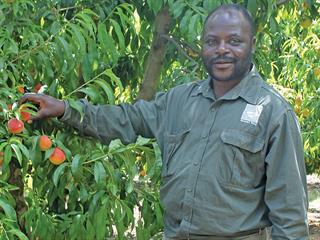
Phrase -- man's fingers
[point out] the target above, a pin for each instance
(40, 115)
(32, 97)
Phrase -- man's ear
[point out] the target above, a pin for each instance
(253, 45)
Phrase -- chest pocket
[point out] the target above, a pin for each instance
(241, 162)
(173, 143)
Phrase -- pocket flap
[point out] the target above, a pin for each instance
(176, 138)
(242, 139)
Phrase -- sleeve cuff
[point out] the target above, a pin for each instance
(67, 112)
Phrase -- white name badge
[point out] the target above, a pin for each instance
(251, 114)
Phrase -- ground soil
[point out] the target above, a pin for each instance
(314, 206)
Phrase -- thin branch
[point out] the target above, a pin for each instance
(280, 2)
(90, 81)
(178, 46)
(68, 8)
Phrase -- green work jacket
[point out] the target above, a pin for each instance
(230, 165)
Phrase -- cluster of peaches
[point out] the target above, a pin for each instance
(17, 125)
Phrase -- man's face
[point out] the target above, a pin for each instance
(227, 46)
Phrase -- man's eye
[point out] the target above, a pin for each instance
(234, 42)
(211, 42)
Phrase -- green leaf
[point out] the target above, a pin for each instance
(142, 141)
(177, 7)
(192, 27)
(100, 221)
(7, 154)
(107, 89)
(8, 210)
(24, 150)
(129, 187)
(155, 5)
(124, 19)
(77, 106)
(76, 166)
(86, 68)
(2, 146)
(57, 173)
(273, 24)
(103, 36)
(99, 174)
(92, 93)
(18, 233)
(35, 154)
(108, 44)
(12, 47)
(185, 20)
(48, 153)
(159, 214)
(90, 234)
(66, 47)
(90, 12)
(115, 80)
(76, 33)
(86, 22)
(17, 151)
(119, 33)
(252, 7)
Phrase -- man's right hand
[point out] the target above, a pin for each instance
(49, 107)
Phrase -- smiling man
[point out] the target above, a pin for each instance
(228, 44)
(231, 145)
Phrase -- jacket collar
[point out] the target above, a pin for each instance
(248, 88)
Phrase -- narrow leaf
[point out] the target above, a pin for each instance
(99, 173)
(7, 154)
(18, 233)
(76, 166)
(119, 33)
(8, 210)
(17, 151)
(77, 106)
(57, 173)
(107, 89)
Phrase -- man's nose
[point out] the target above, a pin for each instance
(222, 48)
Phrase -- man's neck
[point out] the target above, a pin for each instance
(220, 88)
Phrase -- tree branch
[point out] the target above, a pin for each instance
(179, 47)
(156, 56)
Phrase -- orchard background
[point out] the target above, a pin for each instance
(113, 51)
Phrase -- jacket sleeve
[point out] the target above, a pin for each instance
(286, 187)
(124, 121)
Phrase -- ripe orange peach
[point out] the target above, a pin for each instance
(45, 142)
(15, 126)
(25, 116)
(21, 89)
(37, 87)
(57, 157)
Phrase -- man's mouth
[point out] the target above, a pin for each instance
(222, 62)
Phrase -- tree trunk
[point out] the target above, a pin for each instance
(156, 56)
(16, 179)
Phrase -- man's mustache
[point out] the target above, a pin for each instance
(222, 59)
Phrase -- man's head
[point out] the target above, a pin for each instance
(228, 43)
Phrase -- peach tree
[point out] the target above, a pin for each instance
(109, 52)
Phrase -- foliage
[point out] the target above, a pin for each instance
(98, 50)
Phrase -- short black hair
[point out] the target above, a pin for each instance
(242, 10)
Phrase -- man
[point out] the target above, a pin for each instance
(231, 146)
